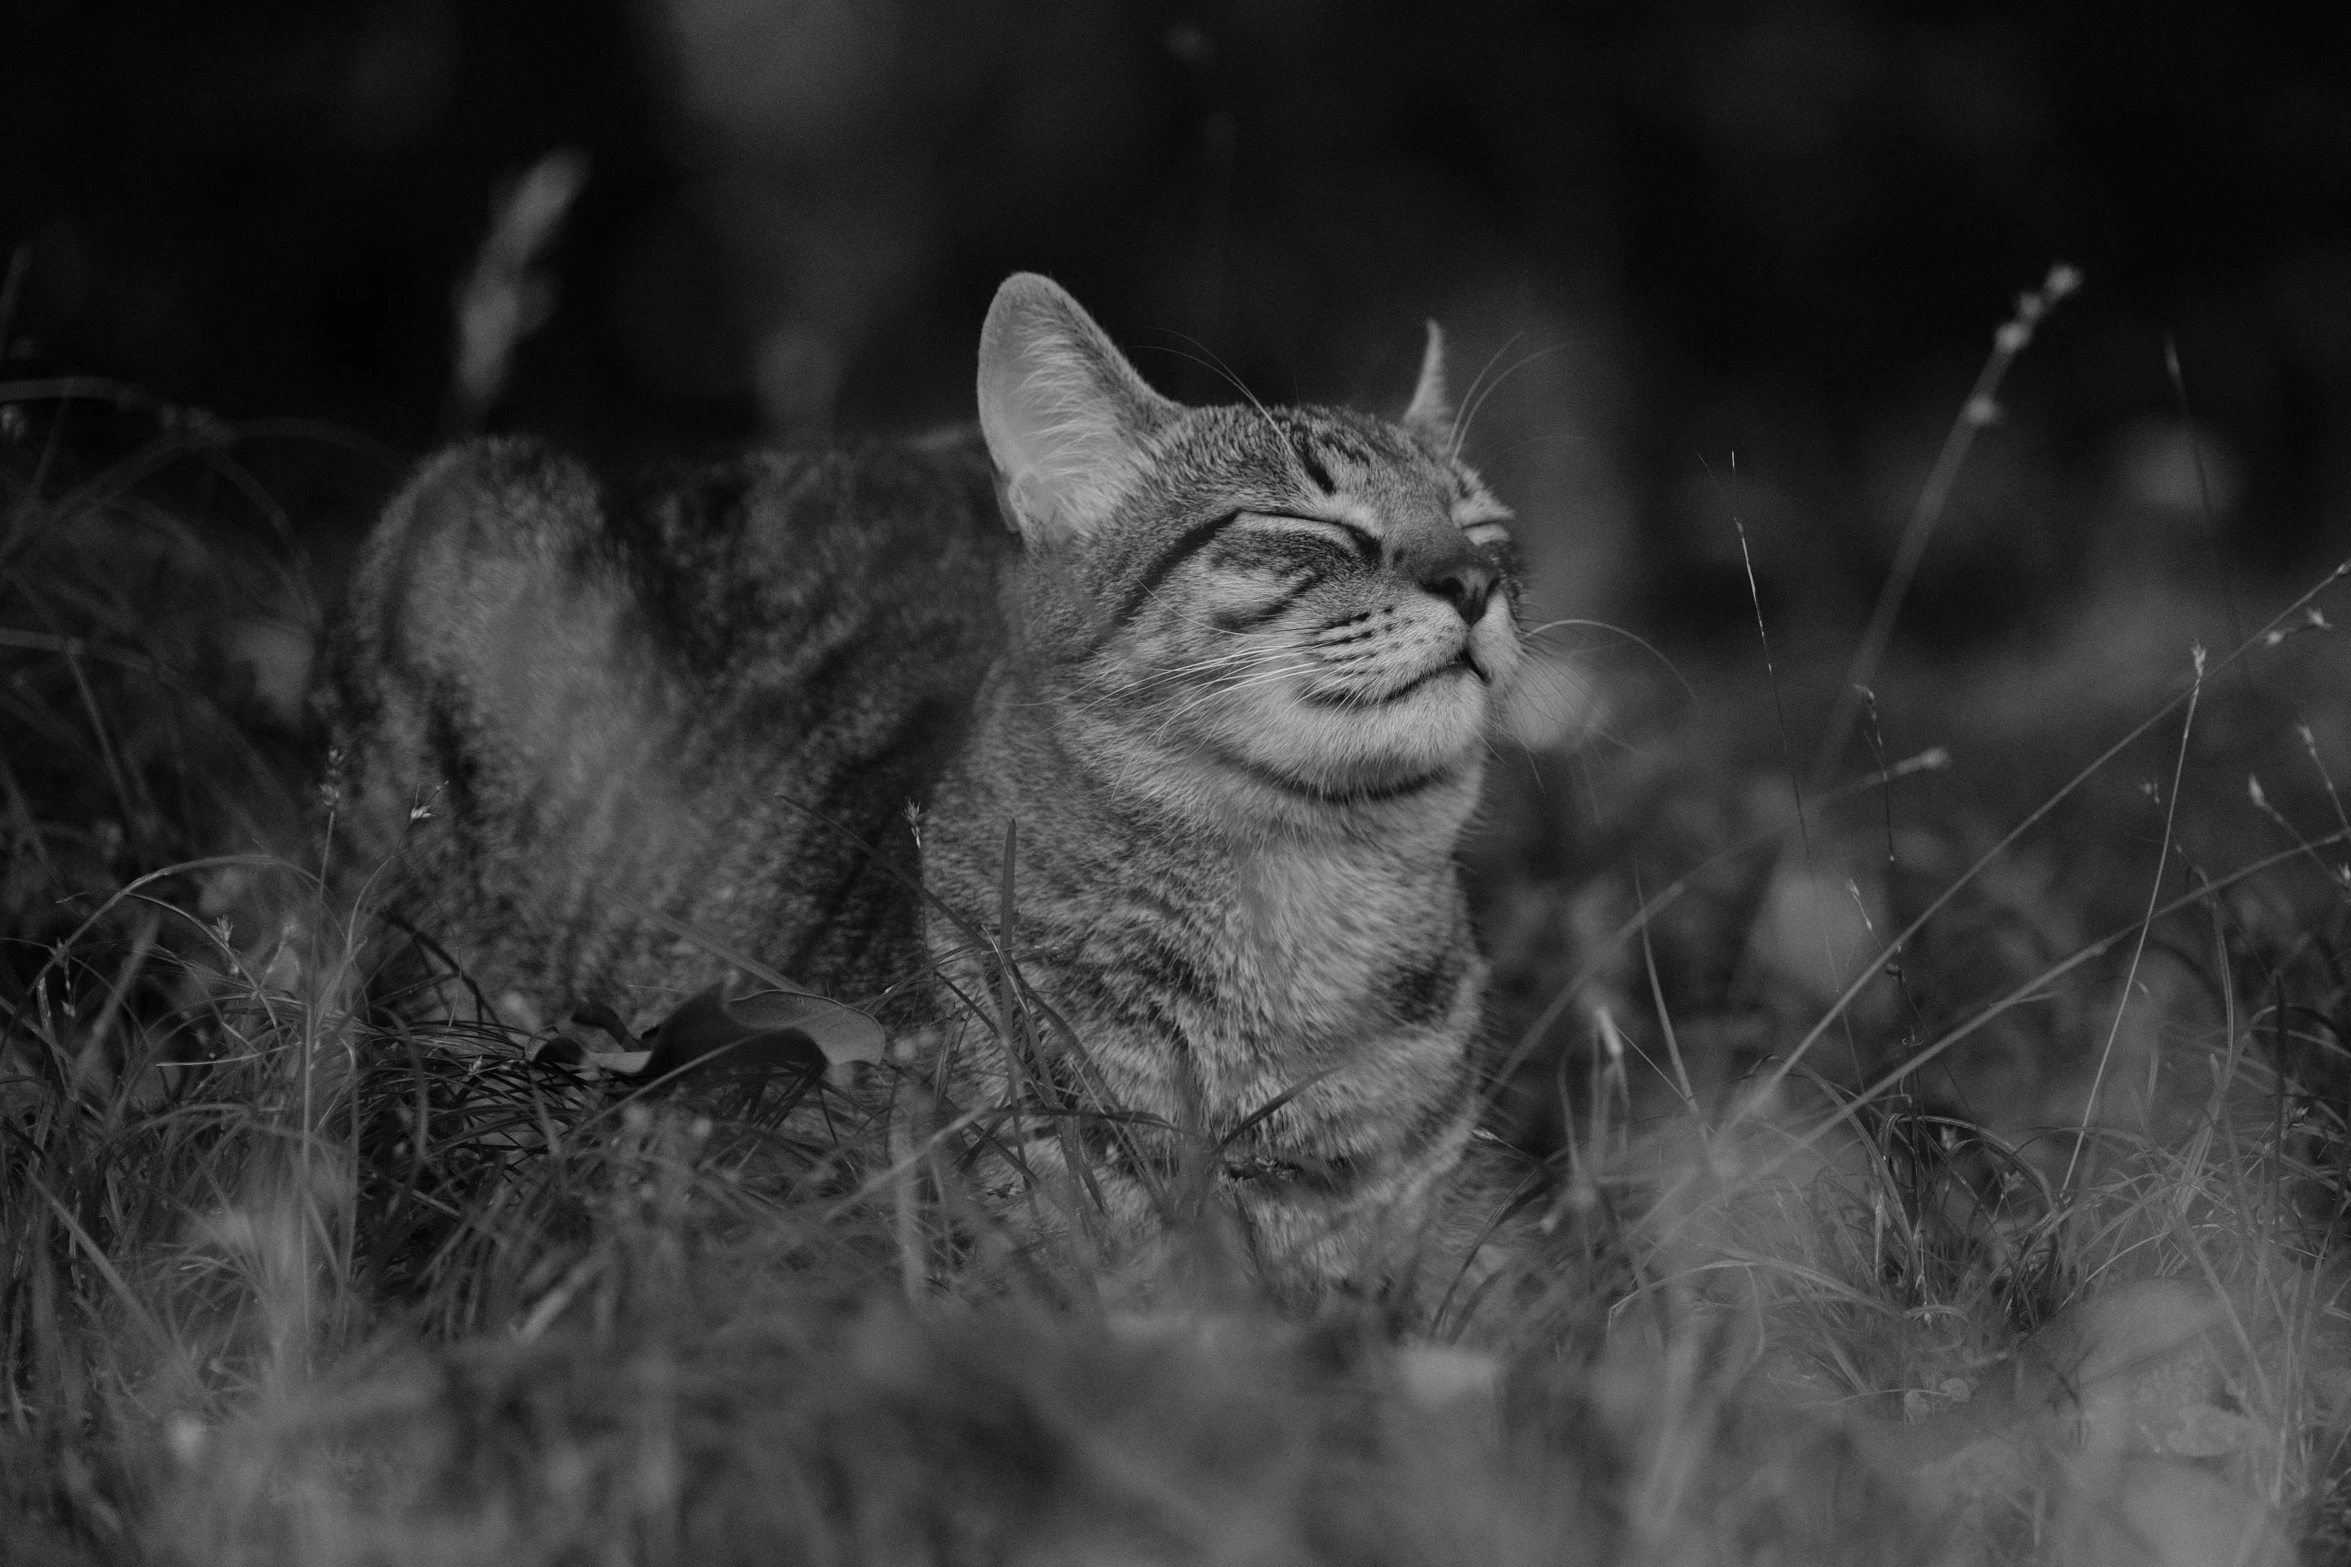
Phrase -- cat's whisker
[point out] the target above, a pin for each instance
(1258, 648)
(1617, 631)
(1572, 691)
(1469, 412)
(1217, 674)
(1199, 699)
(1460, 414)
(1208, 358)
(1223, 689)
(1186, 674)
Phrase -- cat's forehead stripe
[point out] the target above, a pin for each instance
(1324, 439)
(1311, 463)
(1319, 437)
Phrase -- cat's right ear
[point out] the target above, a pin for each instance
(1431, 410)
(1066, 417)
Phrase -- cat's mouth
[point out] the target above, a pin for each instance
(1464, 663)
(1362, 735)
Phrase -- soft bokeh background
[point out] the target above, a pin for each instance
(1713, 273)
(1712, 257)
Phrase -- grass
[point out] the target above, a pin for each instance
(282, 1282)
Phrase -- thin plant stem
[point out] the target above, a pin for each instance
(1980, 411)
(2130, 976)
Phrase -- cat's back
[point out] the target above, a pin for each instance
(575, 715)
(784, 570)
(727, 568)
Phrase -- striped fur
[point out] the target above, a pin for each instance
(1232, 682)
(559, 707)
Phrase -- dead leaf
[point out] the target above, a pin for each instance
(767, 1029)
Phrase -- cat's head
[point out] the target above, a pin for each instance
(1312, 601)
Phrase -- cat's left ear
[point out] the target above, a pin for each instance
(1431, 410)
(1065, 416)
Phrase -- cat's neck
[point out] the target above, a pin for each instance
(1301, 920)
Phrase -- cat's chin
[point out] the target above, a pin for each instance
(1324, 788)
(1427, 737)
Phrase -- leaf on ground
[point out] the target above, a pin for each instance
(763, 1029)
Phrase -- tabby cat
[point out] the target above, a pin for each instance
(1209, 716)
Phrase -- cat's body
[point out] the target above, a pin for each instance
(697, 699)
(1232, 682)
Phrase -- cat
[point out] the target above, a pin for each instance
(1200, 694)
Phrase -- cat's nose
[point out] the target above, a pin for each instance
(1464, 581)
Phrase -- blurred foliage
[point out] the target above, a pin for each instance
(1689, 232)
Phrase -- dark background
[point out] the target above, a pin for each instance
(1737, 258)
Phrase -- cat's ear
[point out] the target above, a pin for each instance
(1431, 411)
(1066, 417)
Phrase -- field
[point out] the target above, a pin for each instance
(1819, 1087)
